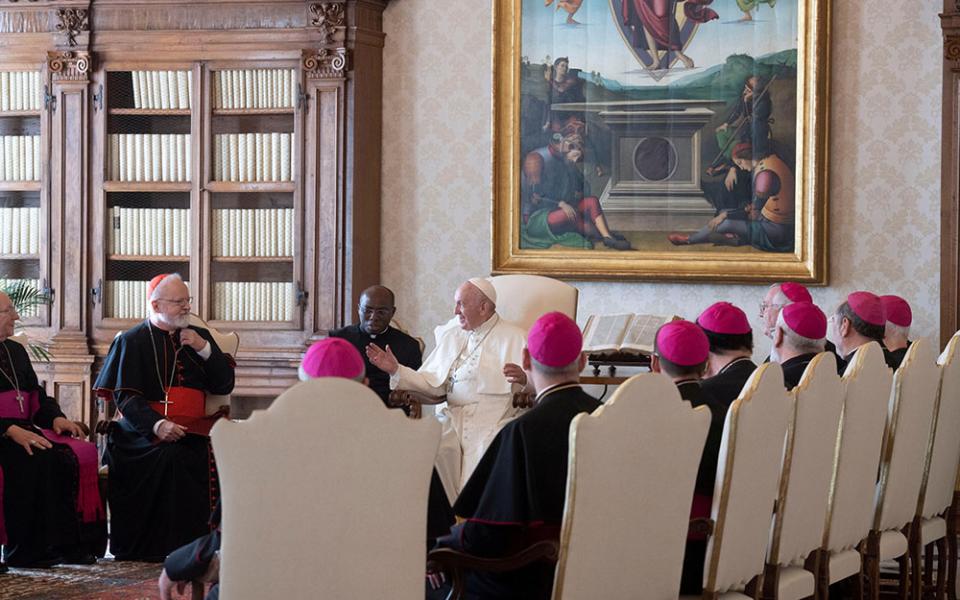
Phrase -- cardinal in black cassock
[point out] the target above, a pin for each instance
(50, 505)
(162, 473)
(516, 495)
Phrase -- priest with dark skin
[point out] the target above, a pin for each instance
(376, 310)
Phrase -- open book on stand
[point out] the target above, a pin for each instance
(621, 334)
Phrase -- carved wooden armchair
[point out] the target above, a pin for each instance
(521, 299)
(645, 442)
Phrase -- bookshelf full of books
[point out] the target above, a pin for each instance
(148, 186)
(252, 196)
(22, 238)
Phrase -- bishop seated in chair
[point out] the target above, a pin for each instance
(162, 477)
(49, 503)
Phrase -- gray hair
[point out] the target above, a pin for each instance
(570, 369)
(797, 341)
(171, 277)
(896, 330)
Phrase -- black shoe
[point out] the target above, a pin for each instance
(617, 236)
(42, 563)
(616, 244)
(3, 568)
(79, 558)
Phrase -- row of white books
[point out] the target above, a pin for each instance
(149, 231)
(19, 230)
(253, 232)
(161, 89)
(254, 88)
(126, 299)
(253, 301)
(19, 158)
(149, 157)
(250, 157)
(10, 284)
(20, 90)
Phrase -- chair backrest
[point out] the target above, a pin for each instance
(866, 391)
(307, 483)
(229, 343)
(941, 471)
(747, 478)
(522, 299)
(907, 435)
(807, 462)
(632, 468)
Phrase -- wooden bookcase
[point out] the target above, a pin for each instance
(119, 79)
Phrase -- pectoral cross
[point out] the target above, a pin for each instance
(166, 402)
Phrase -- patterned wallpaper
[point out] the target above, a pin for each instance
(884, 160)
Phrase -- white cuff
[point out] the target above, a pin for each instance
(156, 426)
(205, 352)
(395, 380)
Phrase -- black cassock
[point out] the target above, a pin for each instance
(403, 346)
(891, 358)
(160, 493)
(516, 495)
(794, 369)
(726, 385)
(42, 493)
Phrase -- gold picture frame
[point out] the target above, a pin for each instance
(656, 260)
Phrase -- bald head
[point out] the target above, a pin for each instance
(376, 309)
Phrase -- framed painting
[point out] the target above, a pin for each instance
(661, 139)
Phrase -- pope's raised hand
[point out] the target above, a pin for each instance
(383, 359)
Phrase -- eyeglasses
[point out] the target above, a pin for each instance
(379, 311)
(181, 302)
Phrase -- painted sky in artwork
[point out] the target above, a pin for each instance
(596, 44)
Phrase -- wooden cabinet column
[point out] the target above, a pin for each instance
(69, 68)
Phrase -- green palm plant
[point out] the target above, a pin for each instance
(25, 297)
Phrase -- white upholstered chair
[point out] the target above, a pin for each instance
(522, 299)
(317, 491)
(905, 446)
(632, 468)
(229, 343)
(940, 477)
(866, 391)
(746, 485)
(805, 477)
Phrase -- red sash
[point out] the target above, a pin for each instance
(187, 407)
(88, 494)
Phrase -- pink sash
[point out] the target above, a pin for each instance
(88, 493)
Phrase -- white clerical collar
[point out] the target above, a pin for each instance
(486, 327)
(373, 336)
(555, 388)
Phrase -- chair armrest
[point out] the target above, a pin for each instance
(523, 399)
(412, 401)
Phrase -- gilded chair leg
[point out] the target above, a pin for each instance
(903, 583)
(771, 581)
(927, 569)
(870, 566)
(913, 562)
(940, 587)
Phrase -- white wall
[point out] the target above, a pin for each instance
(884, 161)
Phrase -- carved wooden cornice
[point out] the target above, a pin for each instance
(69, 65)
(328, 18)
(326, 63)
(72, 21)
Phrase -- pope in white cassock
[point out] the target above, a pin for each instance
(467, 366)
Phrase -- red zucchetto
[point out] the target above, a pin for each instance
(868, 307)
(683, 343)
(806, 320)
(897, 310)
(554, 340)
(724, 318)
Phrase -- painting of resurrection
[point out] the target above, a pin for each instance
(660, 139)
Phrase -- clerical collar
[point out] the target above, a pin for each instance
(730, 364)
(373, 336)
(555, 388)
(686, 381)
(487, 326)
